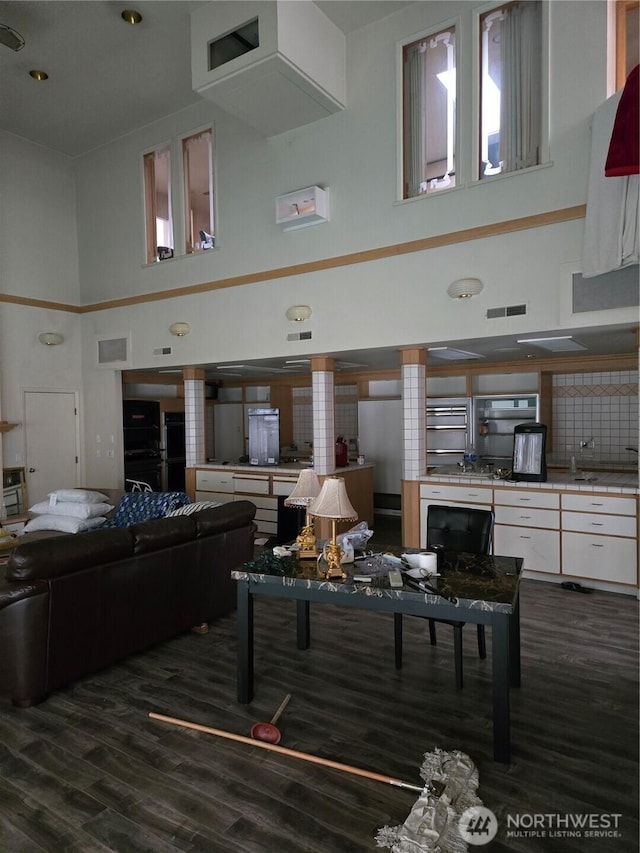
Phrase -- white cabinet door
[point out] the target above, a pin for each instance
(602, 558)
(540, 549)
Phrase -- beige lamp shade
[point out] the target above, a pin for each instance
(306, 489)
(333, 501)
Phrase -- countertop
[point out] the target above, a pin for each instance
(281, 468)
(592, 481)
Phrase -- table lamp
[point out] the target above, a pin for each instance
(305, 491)
(333, 502)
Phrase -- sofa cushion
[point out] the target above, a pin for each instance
(162, 533)
(61, 555)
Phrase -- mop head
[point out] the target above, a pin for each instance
(451, 782)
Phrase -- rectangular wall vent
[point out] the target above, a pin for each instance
(506, 311)
(299, 336)
(162, 351)
(113, 351)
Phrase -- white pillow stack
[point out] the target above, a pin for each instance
(69, 511)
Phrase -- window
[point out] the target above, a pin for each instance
(429, 114)
(198, 191)
(157, 197)
(627, 29)
(510, 88)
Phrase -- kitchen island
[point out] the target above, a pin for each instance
(568, 529)
(265, 485)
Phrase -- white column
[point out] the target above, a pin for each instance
(324, 440)
(194, 427)
(414, 401)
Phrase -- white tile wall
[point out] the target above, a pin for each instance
(414, 415)
(324, 454)
(602, 407)
(194, 421)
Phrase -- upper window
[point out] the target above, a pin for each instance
(157, 197)
(197, 158)
(510, 87)
(429, 114)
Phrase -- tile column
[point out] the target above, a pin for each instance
(324, 440)
(414, 402)
(194, 427)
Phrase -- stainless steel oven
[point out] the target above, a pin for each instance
(448, 423)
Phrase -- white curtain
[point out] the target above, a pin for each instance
(415, 130)
(521, 89)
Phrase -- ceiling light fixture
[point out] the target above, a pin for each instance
(10, 37)
(131, 16)
(298, 313)
(465, 288)
(180, 329)
(50, 339)
(38, 75)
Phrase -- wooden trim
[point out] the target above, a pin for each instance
(538, 220)
(193, 373)
(322, 363)
(410, 513)
(622, 7)
(413, 355)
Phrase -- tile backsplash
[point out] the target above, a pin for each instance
(595, 417)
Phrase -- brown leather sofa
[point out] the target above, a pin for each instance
(73, 604)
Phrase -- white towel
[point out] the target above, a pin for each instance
(611, 239)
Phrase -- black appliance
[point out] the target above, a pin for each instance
(174, 452)
(142, 456)
(529, 453)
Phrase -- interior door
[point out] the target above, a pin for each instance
(51, 442)
(380, 437)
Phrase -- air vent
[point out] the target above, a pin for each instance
(506, 311)
(615, 289)
(162, 351)
(113, 351)
(299, 336)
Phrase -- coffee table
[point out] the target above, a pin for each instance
(474, 588)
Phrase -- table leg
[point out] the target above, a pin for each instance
(303, 629)
(245, 643)
(500, 629)
(514, 645)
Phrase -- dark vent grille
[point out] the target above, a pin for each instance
(300, 336)
(506, 311)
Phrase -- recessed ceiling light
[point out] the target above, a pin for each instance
(450, 354)
(131, 16)
(39, 75)
(558, 343)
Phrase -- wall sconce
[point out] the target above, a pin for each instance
(465, 288)
(180, 329)
(298, 313)
(50, 339)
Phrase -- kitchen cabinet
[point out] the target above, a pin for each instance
(214, 486)
(599, 538)
(527, 524)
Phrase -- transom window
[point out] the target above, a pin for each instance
(197, 158)
(510, 87)
(157, 192)
(429, 114)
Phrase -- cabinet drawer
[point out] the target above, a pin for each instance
(608, 525)
(599, 557)
(443, 493)
(221, 497)
(598, 503)
(267, 526)
(252, 485)
(266, 515)
(527, 497)
(283, 486)
(525, 517)
(540, 549)
(214, 481)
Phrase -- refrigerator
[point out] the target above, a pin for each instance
(264, 436)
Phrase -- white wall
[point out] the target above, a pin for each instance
(396, 301)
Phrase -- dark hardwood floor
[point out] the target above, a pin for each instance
(87, 770)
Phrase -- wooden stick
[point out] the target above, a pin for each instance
(305, 756)
(283, 705)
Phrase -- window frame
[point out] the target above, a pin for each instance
(476, 56)
(188, 236)
(623, 7)
(401, 45)
(149, 201)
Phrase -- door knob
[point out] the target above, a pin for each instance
(31, 470)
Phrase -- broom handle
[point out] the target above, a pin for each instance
(283, 705)
(305, 756)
